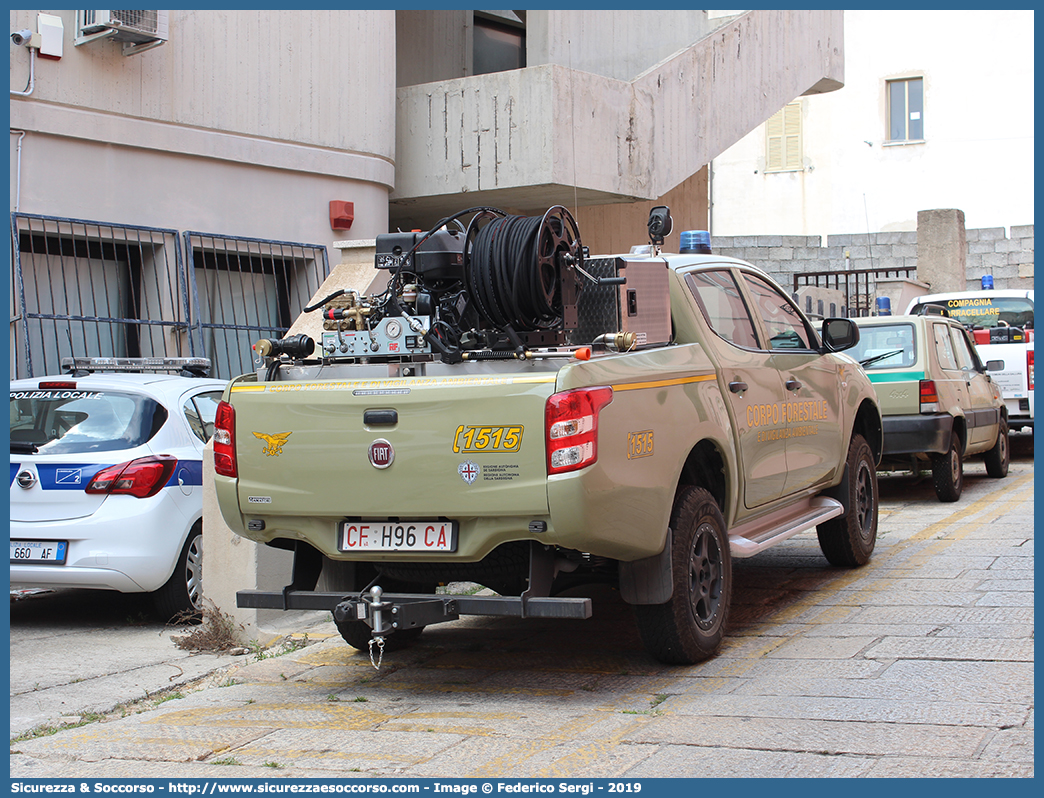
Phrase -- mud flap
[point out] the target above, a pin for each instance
(648, 581)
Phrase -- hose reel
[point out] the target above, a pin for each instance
(521, 270)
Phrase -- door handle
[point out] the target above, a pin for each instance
(793, 385)
(737, 386)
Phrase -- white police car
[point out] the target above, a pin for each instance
(107, 477)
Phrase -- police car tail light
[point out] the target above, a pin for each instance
(57, 386)
(142, 478)
(929, 397)
(571, 428)
(225, 441)
(1029, 368)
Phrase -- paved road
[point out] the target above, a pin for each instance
(919, 664)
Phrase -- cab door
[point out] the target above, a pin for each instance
(749, 381)
(982, 415)
(811, 407)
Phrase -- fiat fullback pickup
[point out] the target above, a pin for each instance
(513, 412)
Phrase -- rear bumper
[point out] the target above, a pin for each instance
(129, 545)
(917, 434)
(1020, 412)
(72, 576)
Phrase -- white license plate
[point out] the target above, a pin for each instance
(38, 551)
(398, 536)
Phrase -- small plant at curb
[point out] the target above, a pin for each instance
(286, 646)
(361, 699)
(217, 632)
(658, 699)
(228, 760)
(331, 697)
(272, 765)
(169, 697)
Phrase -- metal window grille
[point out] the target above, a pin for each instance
(242, 289)
(858, 285)
(96, 289)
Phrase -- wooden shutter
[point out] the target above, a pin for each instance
(783, 139)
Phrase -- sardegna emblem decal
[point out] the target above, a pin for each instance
(381, 453)
(468, 471)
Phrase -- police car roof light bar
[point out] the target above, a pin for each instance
(136, 364)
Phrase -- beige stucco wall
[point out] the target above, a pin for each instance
(250, 72)
(245, 123)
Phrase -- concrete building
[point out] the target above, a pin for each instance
(936, 112)
(202, 164)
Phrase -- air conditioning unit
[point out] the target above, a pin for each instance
(137, 30)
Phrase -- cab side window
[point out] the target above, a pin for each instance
(944, 347)
(786, 328)
(966, 358)
(719, 298)
(200, 412)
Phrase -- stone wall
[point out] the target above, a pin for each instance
(1008, 258)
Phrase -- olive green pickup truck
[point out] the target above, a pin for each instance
(514, 413)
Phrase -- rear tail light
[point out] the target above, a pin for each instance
(225, 441)
(1029, 368)
(571, 428)
(929, 397)
(142, 478)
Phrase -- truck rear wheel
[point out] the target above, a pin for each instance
(997, 458)
(689, 628)
(849, 539)
(948, 472)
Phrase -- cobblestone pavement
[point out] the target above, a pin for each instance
(918, 665)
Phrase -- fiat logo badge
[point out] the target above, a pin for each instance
(381, 453)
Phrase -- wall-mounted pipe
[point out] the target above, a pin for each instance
(32, 75)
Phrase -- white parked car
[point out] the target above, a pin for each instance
(107, 477)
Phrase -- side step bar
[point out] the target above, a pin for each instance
(748, 539)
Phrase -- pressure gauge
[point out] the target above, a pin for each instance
(393, 329)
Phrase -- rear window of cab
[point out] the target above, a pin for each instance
(75, 421)
(886, 346)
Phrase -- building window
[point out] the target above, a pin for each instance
(244, 289)
(783, 140)
(94, 289)
(498, 46)
(906, 110)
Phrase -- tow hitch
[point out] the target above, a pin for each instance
(387, 613)
(386, 617)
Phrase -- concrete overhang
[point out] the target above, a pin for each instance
(529, 138)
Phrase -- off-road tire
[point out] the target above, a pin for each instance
(998, 457)
(948, 472)
(690, 626)
(182, 595)
(849, 539)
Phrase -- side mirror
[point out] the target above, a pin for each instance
(994, 365)
(840, 334)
